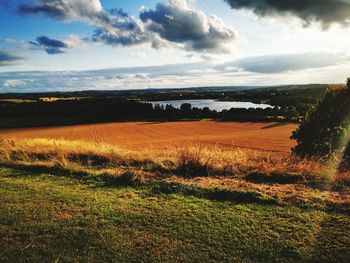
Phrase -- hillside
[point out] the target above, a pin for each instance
(71, 201)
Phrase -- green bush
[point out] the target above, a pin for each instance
(322, 132)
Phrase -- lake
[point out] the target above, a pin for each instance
(213, 104)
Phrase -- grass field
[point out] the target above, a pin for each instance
(50, 218)
(261, 136)
(168, 192)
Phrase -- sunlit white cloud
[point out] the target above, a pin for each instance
(12, 83)
(176, 22)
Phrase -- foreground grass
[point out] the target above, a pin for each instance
(50, 218)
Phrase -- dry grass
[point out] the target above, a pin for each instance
(188, 160)
(285, 177)
(204, 161)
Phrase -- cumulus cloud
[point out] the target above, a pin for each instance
(176, 22)
(50, 45)
(8, 59)
(120, 29)
(114, 27)
(324, 11)
(171, 23)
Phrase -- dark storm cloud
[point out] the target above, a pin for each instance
(176, 22)
(8, 59)
(286, 62)
(50, 45)
(324, 11)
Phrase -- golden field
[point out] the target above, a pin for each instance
(137, 135)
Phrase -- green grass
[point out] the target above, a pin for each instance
(48, 218)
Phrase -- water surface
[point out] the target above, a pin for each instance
(213, 104)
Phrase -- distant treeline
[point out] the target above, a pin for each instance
(291, 103)
(117, 109)
(299, 97)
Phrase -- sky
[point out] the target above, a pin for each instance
(66, 45)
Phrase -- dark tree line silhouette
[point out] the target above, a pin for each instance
(117, 109)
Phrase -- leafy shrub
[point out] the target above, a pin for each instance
(326, 125)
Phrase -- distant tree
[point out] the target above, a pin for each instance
(186, 107)
(326, 125)
(292, 113)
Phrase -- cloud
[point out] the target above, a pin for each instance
(12, 83)
(50, 45)
(324, 11)
(266, 70)
(64, 9)
(77, 42)
(171, 23)
(8, 40)
(8, 59)
(286, 62)
(175, 21)
(140, 55)
(117, 28)
(114, 27)
(118, 12)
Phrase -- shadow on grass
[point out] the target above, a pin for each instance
(154, 187)
(37, 170)
(215, 194)
(321, 183)
(275, 178)
(130, 179)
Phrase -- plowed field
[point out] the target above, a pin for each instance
(136, 135)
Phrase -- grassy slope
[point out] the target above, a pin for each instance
(51, 218)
